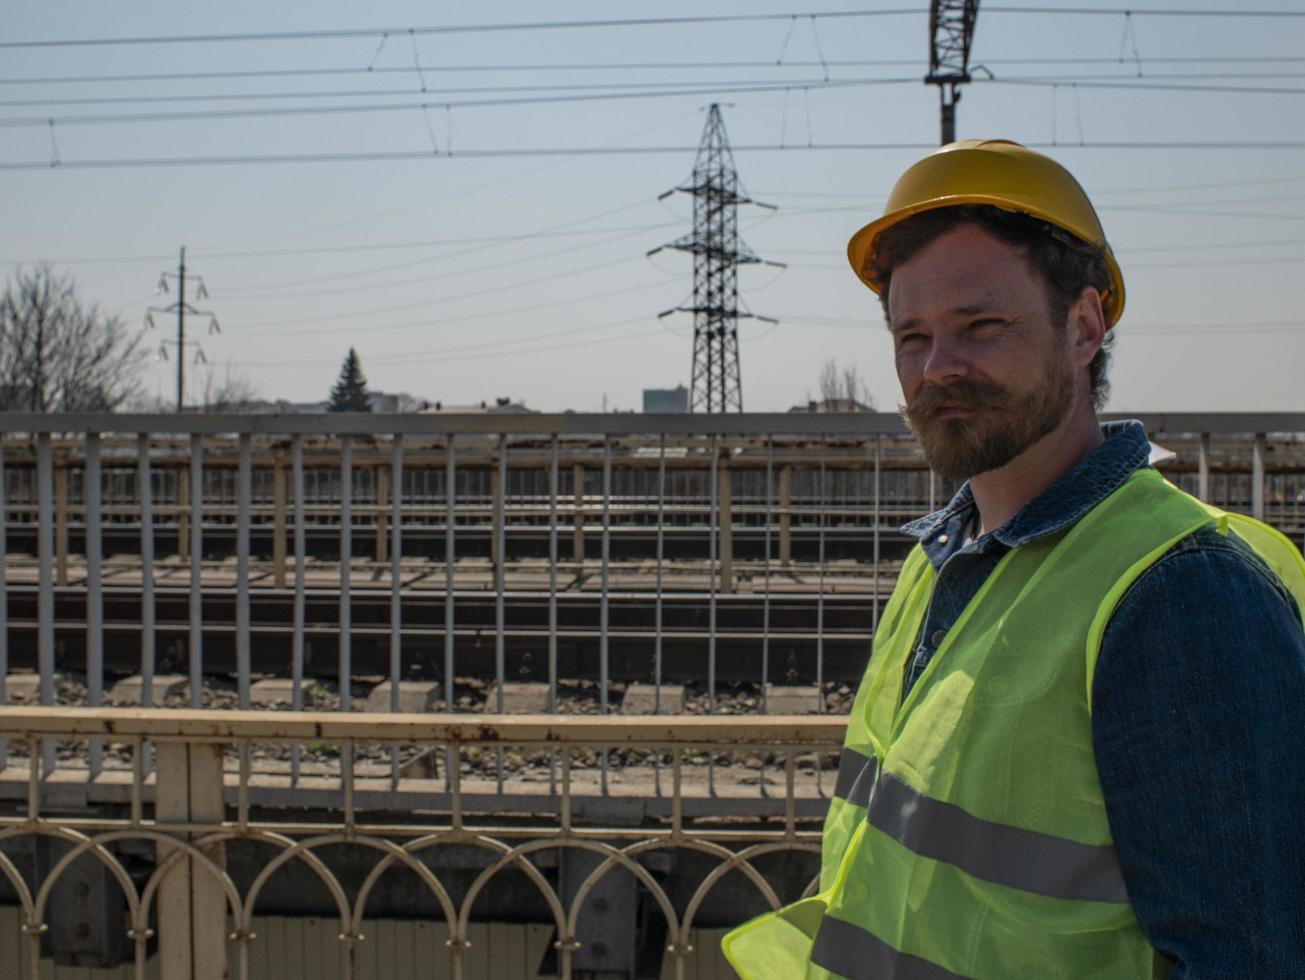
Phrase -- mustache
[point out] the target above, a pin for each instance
(965, 394)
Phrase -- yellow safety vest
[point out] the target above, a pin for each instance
(967, 836)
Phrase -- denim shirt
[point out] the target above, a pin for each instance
(1198, 715)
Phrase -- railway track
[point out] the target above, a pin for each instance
(804, 622)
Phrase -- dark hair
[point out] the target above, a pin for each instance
(1067, 264)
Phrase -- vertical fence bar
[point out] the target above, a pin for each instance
(278, 518)
(1203, 469)
(786, 516)
(61, 521)
(450, 502)
(552, 574)
(500, 579)
(725, 489)
(94, 590)
(196, 643)
(552, 600)
(714, 459)
(820, 590)
(297, 637)
(604, 608)
(345, 670)
(712, 554)
(396, 585)
(45, 577)
(765, 579)
(661, 554)
(4, 603)
(874, 609)
(244, 493)
(657, 602)
(578, 513)
(500, 564)
(1257, 477)
(604, 602)
(145, 491)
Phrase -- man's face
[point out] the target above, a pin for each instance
(984, 372)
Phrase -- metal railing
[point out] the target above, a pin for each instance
(213, 793)
(763, 475)
(700, 548)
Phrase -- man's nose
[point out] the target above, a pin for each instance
(946, 362)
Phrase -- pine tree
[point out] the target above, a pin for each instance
(350, 391)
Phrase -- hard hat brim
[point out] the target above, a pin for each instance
(860, 249)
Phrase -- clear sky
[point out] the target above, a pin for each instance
(464, 278)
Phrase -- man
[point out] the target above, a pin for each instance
(1076, 750)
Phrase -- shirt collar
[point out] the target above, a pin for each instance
(1092, 479)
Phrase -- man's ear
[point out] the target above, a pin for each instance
(1086, 326)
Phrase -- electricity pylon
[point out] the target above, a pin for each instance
(717, 384)
(951, 26)
(181, 308)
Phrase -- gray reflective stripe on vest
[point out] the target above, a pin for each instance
(856, 774)
(1025, 859)
(852, 952)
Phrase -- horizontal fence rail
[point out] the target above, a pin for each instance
(212, 800)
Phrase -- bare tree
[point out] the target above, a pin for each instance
(843, 383)
(59, 354)
(232, 392)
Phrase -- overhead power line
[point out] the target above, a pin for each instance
(1142, 86)
(1144, 12)
(175, 76)
(279, 291)
(358, 32)
(499, 349)
(434, 102)
(596, 151)
(365, 32)
(277, 326)
(616, 88)
(335, 249)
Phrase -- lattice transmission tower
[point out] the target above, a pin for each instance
(951, 25)
(717, 384)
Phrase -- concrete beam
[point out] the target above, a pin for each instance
(784, 699)
(276, 690)
(129, 689)
(415, 697)
(529, 698)
(651, 699)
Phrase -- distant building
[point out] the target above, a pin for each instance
(832, 406)
(499, 406)
(387, 404)
(666, 399)
(261, 406)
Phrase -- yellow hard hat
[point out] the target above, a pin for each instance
(1005, 175)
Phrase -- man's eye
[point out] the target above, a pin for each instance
(910, 338)
(985, 323)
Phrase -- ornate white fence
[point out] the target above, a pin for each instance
(212, 786)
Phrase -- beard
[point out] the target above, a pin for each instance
(1002, 425)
